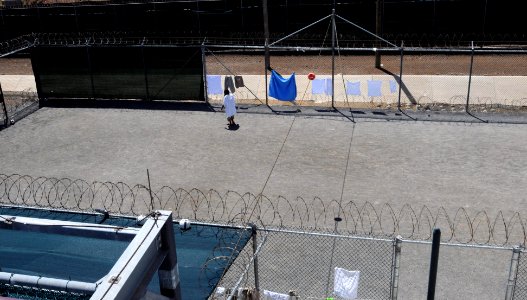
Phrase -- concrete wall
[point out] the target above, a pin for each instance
(417, 89)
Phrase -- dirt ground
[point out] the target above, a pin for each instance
(497, 65)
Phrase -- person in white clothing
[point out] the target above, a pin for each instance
(230, 107)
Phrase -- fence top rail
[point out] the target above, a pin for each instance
(111, 39)
(447, 244)
(277, 230)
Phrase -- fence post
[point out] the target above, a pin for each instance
(333, 33)
(266, 45)
(204, 63)
(145, 69)
(513, 272)
(395, 266)
(254, 232)
(400, 76)
(434, 259)
(90, 68)
(470, 75)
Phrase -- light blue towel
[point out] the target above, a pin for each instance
(214, 85)
(374, 88)
(318, 86)
(353, 88)
(329, 87)
(393, 86)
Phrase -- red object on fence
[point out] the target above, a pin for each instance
(311, 76)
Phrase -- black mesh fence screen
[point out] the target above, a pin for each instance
(149, 73)
(418, 23)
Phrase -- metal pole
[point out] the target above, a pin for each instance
(470, 75)
(337, 220)
(378, 28)
(266, 45)
(333, 58)
(90, 68)
(150, 191)
(204, 63)
(434, 258)
(256, 274)
(400, 76)
(513, 273)
(145, 69)
(47, 283)
(396, 266)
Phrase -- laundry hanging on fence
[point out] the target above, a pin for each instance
(322, 86)
(275, 296)
(281, 88)
(353, 88)
(318, 87)
(374, 88)
(329, 87)
(229, 84)
(346, 284)
(214, 85)
(238, 81)
(393, 86)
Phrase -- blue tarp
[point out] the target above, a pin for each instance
(88, 259)
(281, 88)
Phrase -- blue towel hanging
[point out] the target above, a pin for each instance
(281, 88)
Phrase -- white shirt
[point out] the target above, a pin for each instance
(230, 105)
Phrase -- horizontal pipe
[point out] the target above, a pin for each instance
(461, 245)
(47, 283)
(324, 234)
(108, 232)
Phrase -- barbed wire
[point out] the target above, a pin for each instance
(230, 207)
(17, 44)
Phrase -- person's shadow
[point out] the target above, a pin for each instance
(233, 127)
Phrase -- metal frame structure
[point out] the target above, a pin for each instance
(152, 249)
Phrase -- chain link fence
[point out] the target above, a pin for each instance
(297, 255)
(417, 82)
(303, 264)
(518, 277)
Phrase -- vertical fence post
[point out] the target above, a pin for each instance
(266, 35)
(379, 7)
(395, 267)
(145, 68)
(90, 67)
(333, 33)
(434, 258)
(513, 273)
(470, 75)
(400, 76)
(254, 230)
(204, 63)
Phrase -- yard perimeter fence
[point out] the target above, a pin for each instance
(412, 81)
(230, 207)
(297, 244)
(303, 266)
